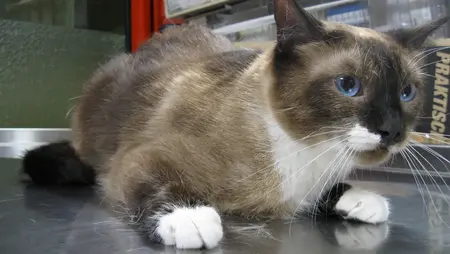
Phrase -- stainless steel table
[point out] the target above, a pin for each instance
(48, 220)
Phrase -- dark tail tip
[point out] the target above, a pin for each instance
(57, 164)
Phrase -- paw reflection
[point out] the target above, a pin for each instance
(358, 236)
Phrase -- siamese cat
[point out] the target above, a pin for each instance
(191, 127)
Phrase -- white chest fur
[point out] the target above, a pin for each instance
(307, 171)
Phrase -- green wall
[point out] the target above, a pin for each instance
(42, 68)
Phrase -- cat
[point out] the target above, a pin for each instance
(191, 127)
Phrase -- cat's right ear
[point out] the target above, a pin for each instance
(415, 38)
(295, 25)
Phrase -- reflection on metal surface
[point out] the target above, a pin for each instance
(76, 221)
(15, 141)
(438, 209)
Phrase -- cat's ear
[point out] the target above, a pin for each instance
(295, 25)
(416, 37)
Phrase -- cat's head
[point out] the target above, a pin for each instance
(358, 87)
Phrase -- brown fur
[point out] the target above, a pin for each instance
(323, 62)
(185, 114)
(175, 127)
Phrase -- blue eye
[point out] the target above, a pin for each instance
(408, 93)
(348, 85)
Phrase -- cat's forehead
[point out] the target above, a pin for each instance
(366, 41)
(360, 51)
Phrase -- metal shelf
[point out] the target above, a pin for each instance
(381, 15)
(269, 20)
(198, 9)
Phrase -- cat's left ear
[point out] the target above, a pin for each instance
(415, 38)
(295, 25)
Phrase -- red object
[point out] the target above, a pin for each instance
(159, 17)
(140, 22)
(147, 17)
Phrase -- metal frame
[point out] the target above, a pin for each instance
(200, 8)
(15, 141)
(268, 20)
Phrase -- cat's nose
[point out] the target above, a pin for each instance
(390, 133)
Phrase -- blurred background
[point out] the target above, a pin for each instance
(48, 48)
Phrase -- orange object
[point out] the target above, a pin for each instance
(140, 22)
(147, 17)
(157, 15)
(159, 18)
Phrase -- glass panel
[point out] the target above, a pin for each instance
(48, 49)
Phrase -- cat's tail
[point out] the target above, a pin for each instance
(57, 164)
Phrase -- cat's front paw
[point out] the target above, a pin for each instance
(364, 206)
(191, 228)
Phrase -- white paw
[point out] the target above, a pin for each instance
(361, 236)
(363, 206)
(191, 228)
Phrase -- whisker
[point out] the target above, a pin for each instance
(428, 75)
(422, 53)
(436, 139)
(428, 190)
(340, 177)
(337, 128)
(285, 109)
(348, 154)
(403, 154)
(318, 134)
(304, 166)
(425, 169)
(311, 135)
(429, 134)
(432, 152)
(317, 181)
(429, 117)
(274, 164)
(331, 174)
(428, 64)
(427, 53)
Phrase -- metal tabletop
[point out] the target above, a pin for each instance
(51, 220)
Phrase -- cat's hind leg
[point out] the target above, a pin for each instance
(160, 204)
(354, 204)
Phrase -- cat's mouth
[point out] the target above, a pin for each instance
(373, 157)
(371, 149)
